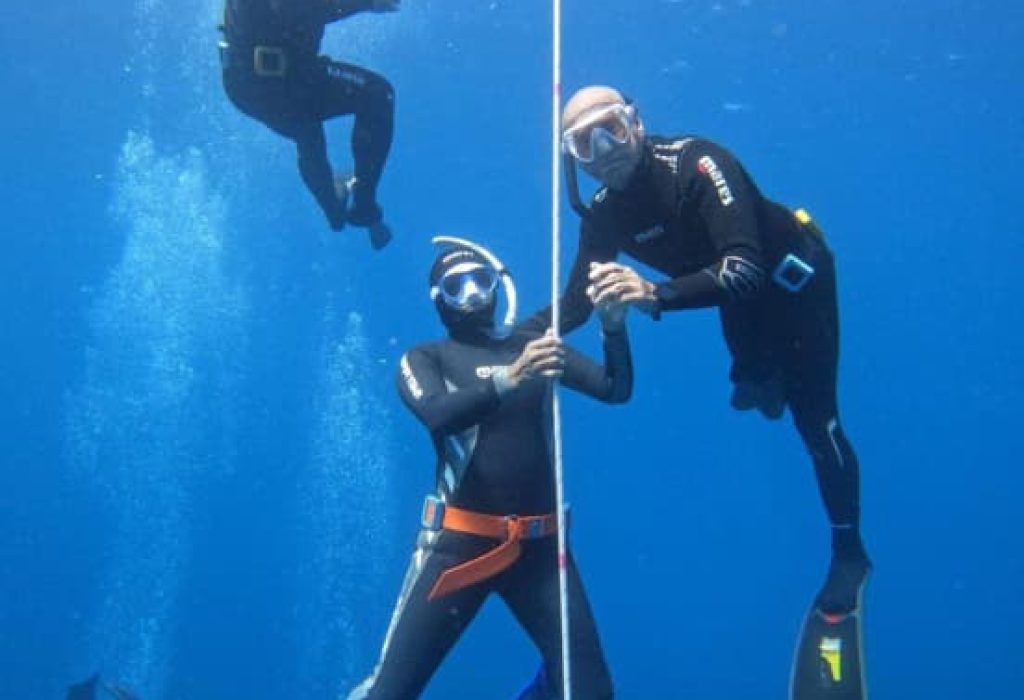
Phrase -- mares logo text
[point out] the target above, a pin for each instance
(708, 166)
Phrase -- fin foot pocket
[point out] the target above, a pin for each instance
(844, 585)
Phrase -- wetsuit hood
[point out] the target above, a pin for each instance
(459, 252)
(458, 321)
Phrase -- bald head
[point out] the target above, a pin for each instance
(587, 99)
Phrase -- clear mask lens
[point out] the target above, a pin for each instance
(598, 132)
(468, 288)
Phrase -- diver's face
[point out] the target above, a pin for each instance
(468, 287)
(606, 142)
(614, 166)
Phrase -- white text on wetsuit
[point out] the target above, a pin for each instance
(708, 166)
(410, 379)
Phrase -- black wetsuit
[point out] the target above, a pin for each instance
(492, 457)
(693, 213)
(273, 73)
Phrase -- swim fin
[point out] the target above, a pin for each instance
(829, 659)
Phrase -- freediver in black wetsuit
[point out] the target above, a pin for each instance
(273, 73)
(686, 207)
(490, 526)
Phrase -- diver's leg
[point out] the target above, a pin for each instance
(811, 375)
(421, 632)
(531, 590)
(315, 169)
(351, 89)
(755, 373)
(288, 106)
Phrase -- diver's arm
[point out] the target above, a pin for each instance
(711, 180)
(733, 277)
(423, 389)
(612, 383)
(574, 305)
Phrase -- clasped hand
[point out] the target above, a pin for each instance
(613, 285)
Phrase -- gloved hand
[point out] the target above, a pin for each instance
(386, 5)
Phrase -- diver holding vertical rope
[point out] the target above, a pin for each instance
(272, 71)
(687, 208)
(482, 394)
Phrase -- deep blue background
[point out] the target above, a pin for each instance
(208, 488)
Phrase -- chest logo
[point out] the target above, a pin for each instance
(710, 168)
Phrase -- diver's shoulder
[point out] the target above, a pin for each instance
(672, 149)
(429, 348)
(673, 143)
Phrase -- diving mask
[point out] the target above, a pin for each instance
(468, 286)
(599, 131)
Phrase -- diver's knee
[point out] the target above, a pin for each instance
(823, 437)
(384, 89)
(813, 430)
(378, 96)
(811, 422)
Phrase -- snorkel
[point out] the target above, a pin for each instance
(503, 274)
(603, 134)
(572, 186)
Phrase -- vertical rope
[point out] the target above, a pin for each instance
(556, 412)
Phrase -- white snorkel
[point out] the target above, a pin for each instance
(503, 274)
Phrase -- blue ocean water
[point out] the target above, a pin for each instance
(209, 490)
